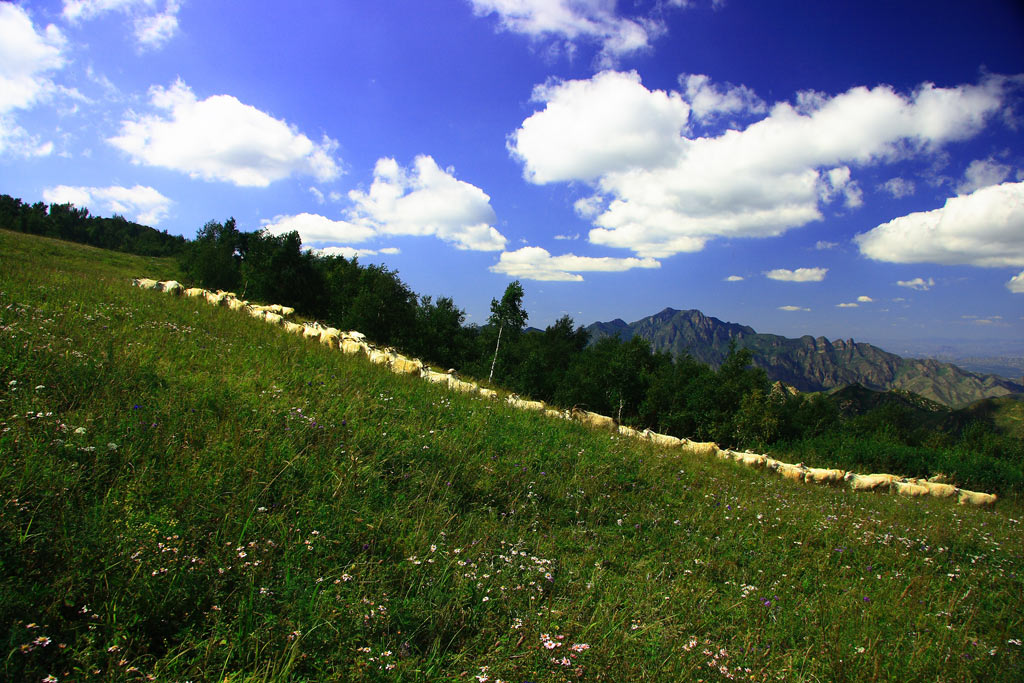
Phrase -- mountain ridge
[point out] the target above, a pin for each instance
(808, 363)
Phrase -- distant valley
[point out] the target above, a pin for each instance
(809, 363)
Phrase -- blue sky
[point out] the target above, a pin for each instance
(838, 169)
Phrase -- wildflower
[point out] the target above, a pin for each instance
(50, 679)
(80, 431)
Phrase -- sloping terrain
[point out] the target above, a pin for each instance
(188, 493)
(808, 363)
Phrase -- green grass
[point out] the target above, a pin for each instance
(247, 506)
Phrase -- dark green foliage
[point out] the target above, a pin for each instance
(274, 268)
(66, 222)
(214, 258)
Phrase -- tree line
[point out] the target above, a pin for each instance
(66, 222)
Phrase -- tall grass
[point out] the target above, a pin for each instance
(190, 494)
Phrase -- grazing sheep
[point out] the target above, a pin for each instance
(170, 287)
(630, 432)
(256, 312)
(820, 475)
(791, 472)
(487, 393)
(975, 498)
(751, 460)
(406, 366)
(236, 304)
(193, 292)
(937, 490)
(353, 346)
(272, 318)
(460, 386)
(865, 482)
(663, 440)
(330, 336)
(292, 328)
(939, 478)
(703, 448)
(145, 283)
(434, 376)
(523, 404)
(311, 331)
(906, 488)
(554, 412)
(215, 298)
(593, 419)
(380, 356)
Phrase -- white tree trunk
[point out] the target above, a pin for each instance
(496, 347)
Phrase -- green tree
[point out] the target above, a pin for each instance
(507, 313)
(214, 257)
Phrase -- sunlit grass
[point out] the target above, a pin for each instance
(190, 494)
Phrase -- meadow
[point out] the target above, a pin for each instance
(190, 494)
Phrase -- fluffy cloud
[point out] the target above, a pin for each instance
(864, 299)
(823, 245)
(590, 128)
(798, 275)
(984, 228)
(708, 100)
(848, 305)
(27, 59)
(898, 187)
(572, 20)
(426, 200)
(734, 278)
(536, 263)
(155, 30)
(423, 200)
(152, 28)
(920, 284)
(1016, 283)
(313, 228)
(667, 193)
(793, 308)
(140, 203)
(220, 138)
(982, 173)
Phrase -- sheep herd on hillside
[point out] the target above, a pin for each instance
(352, 342)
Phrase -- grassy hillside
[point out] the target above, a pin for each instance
(189, 494)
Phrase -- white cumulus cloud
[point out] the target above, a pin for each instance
(536, 263)
(850, 304)
(589, 128)
(668, 193)
(427, 200)
(864, 299)
(793, 308)
(220, 138)
(28, 59)
(1016, 283)
(572, 21)
(708, 100)
(918, 283)
(898, 187)
(798, 275)
(982, 173)
(140, 203)
(313, 228)
(153, 26)
(734, 278)
(984, 228)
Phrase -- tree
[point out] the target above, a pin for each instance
(507, 312)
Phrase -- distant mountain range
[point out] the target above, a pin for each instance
(809, 363)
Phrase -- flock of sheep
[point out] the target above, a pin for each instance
(355, 343)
